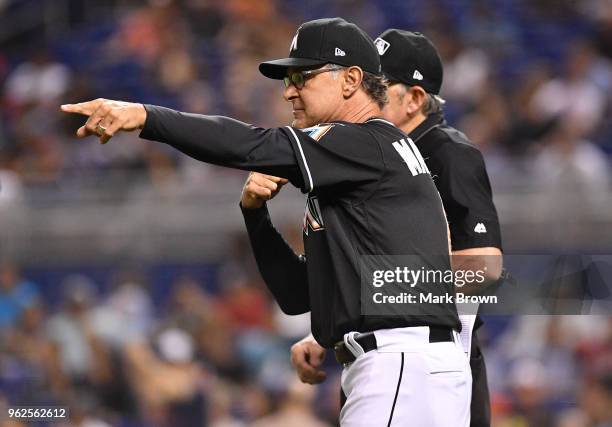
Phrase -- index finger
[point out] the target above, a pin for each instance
(85, 108)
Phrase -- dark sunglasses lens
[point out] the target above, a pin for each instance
(298, 80)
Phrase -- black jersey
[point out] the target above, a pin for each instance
(369, 193)
(460, 174)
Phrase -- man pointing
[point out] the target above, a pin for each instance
(363, 200)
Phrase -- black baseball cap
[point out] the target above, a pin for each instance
(410, 58)
(325, 41)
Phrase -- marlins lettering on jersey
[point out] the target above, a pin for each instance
(411, 156)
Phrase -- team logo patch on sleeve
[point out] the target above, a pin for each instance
(317, 132)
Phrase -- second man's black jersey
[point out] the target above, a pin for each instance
(460, 174)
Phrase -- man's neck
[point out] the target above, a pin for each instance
(412, 123)
(359, 109)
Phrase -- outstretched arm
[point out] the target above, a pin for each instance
(213, 139)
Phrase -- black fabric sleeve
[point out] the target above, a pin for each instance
(283, 271)
(468, 199)
(224, 141)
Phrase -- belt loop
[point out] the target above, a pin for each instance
(352, 345)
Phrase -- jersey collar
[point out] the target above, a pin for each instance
(431, 122)
(378, 119)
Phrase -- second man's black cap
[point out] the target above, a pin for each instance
(410, 58)
(323, 41)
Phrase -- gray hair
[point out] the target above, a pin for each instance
(434, 104)
(375, 85)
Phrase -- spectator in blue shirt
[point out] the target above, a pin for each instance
(16, 294)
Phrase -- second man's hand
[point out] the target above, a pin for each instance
(258, 188)
(107, 117)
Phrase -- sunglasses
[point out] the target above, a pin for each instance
(298, 78)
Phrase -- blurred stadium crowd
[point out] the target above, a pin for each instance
(529, 81)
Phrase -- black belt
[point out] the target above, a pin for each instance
(367, 341)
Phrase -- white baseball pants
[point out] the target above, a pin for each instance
(407, 381)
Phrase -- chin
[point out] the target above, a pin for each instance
(300, 124)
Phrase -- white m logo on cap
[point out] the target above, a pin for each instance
(417, 75)
(294, 42)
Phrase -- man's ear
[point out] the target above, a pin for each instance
(415, 99)
(353, 76)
